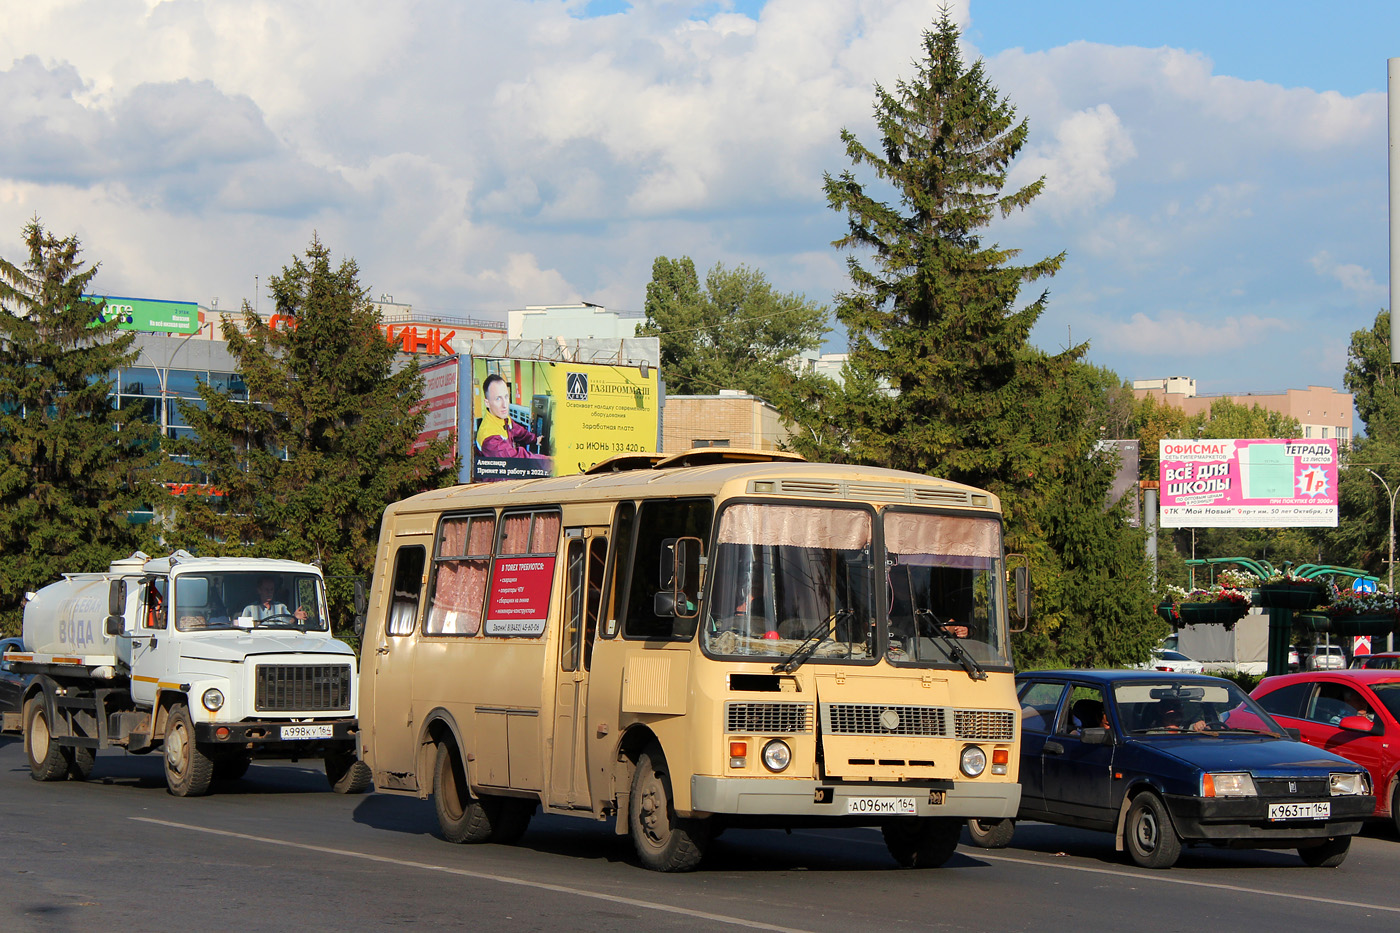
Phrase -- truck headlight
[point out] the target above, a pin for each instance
(776, 755)
(213, 699)
(1228, 784)
(973, 761)
(1343, 784)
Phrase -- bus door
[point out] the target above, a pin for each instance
(586, 553)
(391, 731)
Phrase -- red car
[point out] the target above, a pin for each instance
(1352, 713)
(1389, 660)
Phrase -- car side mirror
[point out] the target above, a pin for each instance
(1020, 581)
(1294, 734)
(1096, 735)
(1356, 724)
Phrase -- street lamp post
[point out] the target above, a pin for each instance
(163, 375)
(1391, 493)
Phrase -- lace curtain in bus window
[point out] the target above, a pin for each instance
(464, 562)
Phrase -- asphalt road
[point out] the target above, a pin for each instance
(278, 851)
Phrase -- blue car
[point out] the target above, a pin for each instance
(1163, 759)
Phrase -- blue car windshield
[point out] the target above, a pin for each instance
(1149, 707)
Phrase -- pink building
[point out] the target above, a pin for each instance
(1324, 413)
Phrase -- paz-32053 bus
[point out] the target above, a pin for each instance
(679, 644)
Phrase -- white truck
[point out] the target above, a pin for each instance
(213, 661)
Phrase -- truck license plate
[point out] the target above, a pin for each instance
(1300, 811)
(308, 732)
(882, 806)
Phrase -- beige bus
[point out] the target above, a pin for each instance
(675, 645)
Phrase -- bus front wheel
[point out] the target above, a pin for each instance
(664, 841)
(922, 842)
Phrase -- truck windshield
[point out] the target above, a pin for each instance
(248, 600)
(790, 579)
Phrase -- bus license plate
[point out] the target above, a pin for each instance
(308, 732)
(1300, 811)
(882, 806)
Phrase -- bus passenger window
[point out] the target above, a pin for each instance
(408, 586)
(461, 567)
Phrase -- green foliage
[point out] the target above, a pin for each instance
(735, 333)
(942, 379)
(308, 463)
(1374, 381)
(71, 469)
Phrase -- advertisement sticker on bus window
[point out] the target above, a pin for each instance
(520, 596)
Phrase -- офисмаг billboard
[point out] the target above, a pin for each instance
(1255, 483)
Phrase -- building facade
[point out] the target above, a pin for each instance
(1323, 413)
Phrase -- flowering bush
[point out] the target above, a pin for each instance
(1349, 602)
(1218, 593)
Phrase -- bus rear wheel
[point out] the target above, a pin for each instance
(664, 841)
(922, 842)
(461, 817)
(991, 834)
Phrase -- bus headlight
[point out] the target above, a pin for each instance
(776, 755)
(974, 761)
(213, 699)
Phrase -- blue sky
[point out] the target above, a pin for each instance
(1214, 172)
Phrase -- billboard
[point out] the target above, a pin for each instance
(152, 314)
(440, 400)
(1264, 483)
(533, 418)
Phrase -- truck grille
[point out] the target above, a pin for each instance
(285, 688)
(767, 718)
(984, 725)
(877, 719)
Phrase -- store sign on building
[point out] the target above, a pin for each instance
(1256, 483)
(151, 314)
(440, 395)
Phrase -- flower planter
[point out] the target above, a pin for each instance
(1295, 596)
(1370, 623)
(1216, 613)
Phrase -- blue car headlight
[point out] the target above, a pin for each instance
(1344, 784)
(1228, 784)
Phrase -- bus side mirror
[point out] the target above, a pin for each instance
(1020, 590)
(360, 603)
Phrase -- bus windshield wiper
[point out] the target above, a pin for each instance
(949, 643)
(809, 644)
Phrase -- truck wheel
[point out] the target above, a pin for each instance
(991, 834)
(231, 766)
(188, 770)
(1328, 855)
(48, 761)
(922, 842)
(461, 817)
(346, 773)
(1151, 839)
(83, 758)
(664, 841)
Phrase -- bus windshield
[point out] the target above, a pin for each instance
(943, 574)
(783, 574)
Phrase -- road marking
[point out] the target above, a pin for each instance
(481, 876)
(1142, 876)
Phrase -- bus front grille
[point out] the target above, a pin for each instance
(767, 718)
(880, 719)
(984, 725)
(285, 688)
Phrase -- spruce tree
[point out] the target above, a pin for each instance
(931, 312)
(72, 469)
(942, 379)
(306, 464)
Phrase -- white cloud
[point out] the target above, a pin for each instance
(1078, 165)
(1352, 277)
(1171, 333)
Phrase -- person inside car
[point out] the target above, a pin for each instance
(1174, 720)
